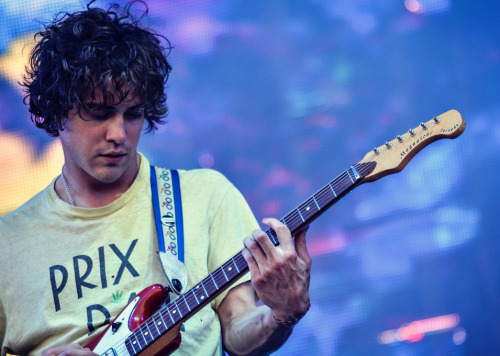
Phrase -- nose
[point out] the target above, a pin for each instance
(116, 130)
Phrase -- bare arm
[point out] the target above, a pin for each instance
(280, 276)
(69, 350)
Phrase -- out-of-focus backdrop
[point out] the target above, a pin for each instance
(282, 96)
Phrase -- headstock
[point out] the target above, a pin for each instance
(394, 155)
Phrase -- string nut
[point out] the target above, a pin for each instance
(400, 138)
(412, 133)
(424, 126)
(388, 145)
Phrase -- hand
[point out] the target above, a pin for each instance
(69, 350)
(280, 274)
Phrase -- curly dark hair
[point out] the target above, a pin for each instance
(96, 50)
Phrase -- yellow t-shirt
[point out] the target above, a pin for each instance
(68, 271)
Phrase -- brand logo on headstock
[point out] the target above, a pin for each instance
(450, 130)
(414, 144)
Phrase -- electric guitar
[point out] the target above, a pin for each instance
(149, 326)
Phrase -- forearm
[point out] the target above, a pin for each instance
(255, 332)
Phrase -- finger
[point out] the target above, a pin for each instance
(266, 246)
(282, 232)
(253, 254)
(301, 247)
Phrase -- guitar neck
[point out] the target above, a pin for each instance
(179, 310)
(387, 159)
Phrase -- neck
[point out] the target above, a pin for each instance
(84, 191)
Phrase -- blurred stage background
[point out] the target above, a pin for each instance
(281, 97)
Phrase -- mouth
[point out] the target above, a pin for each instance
(113, 157)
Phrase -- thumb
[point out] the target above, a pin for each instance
(301, 247)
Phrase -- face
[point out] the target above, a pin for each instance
(100, 143)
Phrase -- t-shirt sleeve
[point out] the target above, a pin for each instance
(232, 222)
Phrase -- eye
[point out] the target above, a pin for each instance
(135, 113)
(99, 114)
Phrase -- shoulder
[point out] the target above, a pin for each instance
(14, 225)
(28, 209)
(205, 186)
(200, 177)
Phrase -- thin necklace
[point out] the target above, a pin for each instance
(72, 202)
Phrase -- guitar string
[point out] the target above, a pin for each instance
(322, 193)
(190, 296)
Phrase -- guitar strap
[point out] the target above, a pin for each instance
(167, 207)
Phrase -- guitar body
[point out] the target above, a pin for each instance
(137, 311)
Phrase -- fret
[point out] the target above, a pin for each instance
(242, 263)
(158, 332)
(349, 176)
(220, 278)
(235, 265)
(213, 280)
(308, 211)
(355, 173)
(215, 283)
(322, 197)
(333, 191)
(194, 293)
(140, 339)
(206, 293)
(185, 301)
(229, 270)
(316, 203)
(300, 215)
(272, 236)
(130, 348)
(224, 272)
(135, 342)
(147, 333)
(177, 306)
(170, 314)
(161, 324)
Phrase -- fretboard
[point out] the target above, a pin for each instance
(216, 282)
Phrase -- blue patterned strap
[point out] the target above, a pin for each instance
(167, 206)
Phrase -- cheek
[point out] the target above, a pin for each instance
(78, 139)
(135, 130)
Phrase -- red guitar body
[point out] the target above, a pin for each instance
(137, 311)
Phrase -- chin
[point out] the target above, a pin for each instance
(109, 176)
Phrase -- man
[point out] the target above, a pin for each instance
(78, 251)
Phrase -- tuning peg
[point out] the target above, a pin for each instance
(412, 133)
(436, 119)
(388, 144)
(400, 138)
(424, 126)
(376, 150)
